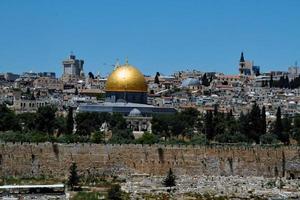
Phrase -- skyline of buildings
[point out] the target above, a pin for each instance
(72, 66)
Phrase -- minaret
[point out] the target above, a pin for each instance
(242, 64)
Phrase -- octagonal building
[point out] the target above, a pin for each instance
(126, 84)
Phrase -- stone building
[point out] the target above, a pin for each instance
(49, 83)
(72, 66)
(28, 105)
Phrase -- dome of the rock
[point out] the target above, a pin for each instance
(126, 83)
(126, 78)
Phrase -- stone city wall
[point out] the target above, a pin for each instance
(53, 160)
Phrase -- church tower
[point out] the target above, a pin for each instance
(242, 64)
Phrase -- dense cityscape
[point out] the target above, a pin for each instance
(189, 107)
(149, 100)
(250, 106)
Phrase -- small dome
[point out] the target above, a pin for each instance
(126, 78)
(190, 82)
(135, 112)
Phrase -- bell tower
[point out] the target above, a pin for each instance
(242, 64)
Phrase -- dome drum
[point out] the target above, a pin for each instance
(133, 97)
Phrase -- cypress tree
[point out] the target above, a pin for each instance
(208, 125)
(73, 178)
(244, 124)
(156, 79)
(170, 180)
(286, 129)
(286, 82)
(70, 121)
(281, 83)
(205, 81)
(115, 193)
(76, 91)
(278, 128)
(91, 75)
(271, 81)
(278, 122)
(255, 123)
(263, 121)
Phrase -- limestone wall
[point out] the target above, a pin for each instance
(47, 159)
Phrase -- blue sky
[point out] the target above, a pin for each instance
(156, 35)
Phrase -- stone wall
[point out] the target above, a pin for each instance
(53, 160)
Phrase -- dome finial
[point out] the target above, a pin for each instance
(117, 63)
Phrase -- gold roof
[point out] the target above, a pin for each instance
(126, 78)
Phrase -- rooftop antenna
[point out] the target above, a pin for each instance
(126, 60)
(296, 63)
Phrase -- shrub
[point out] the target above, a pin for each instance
(115, 193)
(268, 139)
(74, 177)
(170, 180)
(87, 196)
(148, 138)
(98, 137)
(124, 136)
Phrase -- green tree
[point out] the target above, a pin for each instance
(296, 129)
(74, 178)
(231, 132)
(60, 125)
(70, 121)
(115, 193)
(45, 119)
(118, 121)
(169, 125)
(205, 80)
(268, 139)
(209, 125)
(198, 139)
(100, 96)
(190, 116)
(27, 121)
(177, 126)
(76, 91)
(271, 81)
(286, 130)
(254, 129)
(8, 119)
(156, 79)
(170, 180)
(121, 136)
(219, 122)
(278, 128)
(263, 121)
(91, 75)
(98, 137)
(88, 122)
(160, 125)
(148, 138)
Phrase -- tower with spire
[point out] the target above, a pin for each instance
(242, 64)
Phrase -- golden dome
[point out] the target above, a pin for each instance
(126, 78)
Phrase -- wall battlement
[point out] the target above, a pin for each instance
(53, 160)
